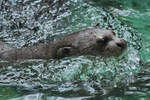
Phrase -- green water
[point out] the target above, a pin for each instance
(136, 14)
(33, 21)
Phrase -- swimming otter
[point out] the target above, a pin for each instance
(94, 42)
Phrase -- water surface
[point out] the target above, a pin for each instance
(29, 22)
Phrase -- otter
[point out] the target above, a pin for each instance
(95, 42)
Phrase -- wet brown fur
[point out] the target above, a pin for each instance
(94, 42)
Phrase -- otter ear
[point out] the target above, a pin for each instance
(97, 25)
(63, 52)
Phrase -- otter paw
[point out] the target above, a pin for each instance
(64, 52)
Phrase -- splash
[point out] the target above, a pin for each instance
(36, 22)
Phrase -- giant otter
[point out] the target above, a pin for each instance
(94, 42)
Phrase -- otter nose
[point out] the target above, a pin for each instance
(121, 44)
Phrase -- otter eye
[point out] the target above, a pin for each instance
(106, 39)
(102, 41)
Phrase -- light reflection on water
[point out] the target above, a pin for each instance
(35, 22)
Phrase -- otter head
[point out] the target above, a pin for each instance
(95, 42)
(109, 44)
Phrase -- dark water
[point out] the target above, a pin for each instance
(28, 22)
